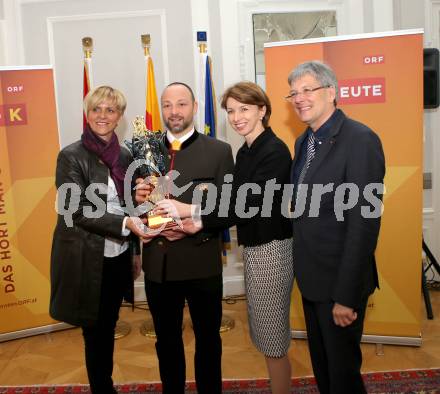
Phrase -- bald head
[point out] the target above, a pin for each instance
(183, 85)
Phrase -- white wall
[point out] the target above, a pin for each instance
(2, 33)
(50, 32)
(409, 14)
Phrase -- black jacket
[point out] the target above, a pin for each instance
(202, 160)
(334, 259)
(78, 251)
(267, 159)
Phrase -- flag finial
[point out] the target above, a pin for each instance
(87, 43)
(146, 43)
(202, 41)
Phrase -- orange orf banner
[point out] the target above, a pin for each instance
(29, 145)
(380, 79)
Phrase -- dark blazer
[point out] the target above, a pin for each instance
(334, 260)
(78, 251)
(267, 159)
(200, 161)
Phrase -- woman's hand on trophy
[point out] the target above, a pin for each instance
(150, 235)
(143, 190)
(135, 225)
(191, 226)
(183, 228)
(173, 234)
(174, 209)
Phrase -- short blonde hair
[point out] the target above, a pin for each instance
(101, 93)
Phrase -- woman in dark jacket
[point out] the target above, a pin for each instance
(263, 161)
(92, 265)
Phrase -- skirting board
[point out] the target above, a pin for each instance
(139, 292)
(233, 285)
(377, 339)
(34, 331)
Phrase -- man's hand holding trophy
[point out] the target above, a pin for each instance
(153, 185)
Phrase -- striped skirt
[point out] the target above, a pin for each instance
(268, 274)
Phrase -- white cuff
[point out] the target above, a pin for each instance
(196, 212)
(125, 231)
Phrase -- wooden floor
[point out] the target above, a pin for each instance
(57, 358)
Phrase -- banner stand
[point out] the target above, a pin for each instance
(29, 145)
(35, 331)
(375, 72)
(376, 339)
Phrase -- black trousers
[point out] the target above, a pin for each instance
(99, 338)
(166, 302)
(335, 351)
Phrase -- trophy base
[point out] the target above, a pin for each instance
(157, 221)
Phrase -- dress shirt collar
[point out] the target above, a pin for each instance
(323, 132)
(185, 140)
(182, 139)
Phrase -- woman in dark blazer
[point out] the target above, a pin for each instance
(263, 160)
(92, 264)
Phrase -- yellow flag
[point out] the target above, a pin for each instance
(152, 114)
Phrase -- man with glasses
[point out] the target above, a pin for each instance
(334, 256)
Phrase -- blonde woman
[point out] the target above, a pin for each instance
(92, 264)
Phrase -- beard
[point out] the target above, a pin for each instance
(179, 127)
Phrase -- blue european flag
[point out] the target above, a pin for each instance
(210, 115)
(210, 129)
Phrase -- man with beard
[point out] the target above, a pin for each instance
(180, 267)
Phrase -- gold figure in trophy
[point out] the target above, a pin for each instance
(147, 147)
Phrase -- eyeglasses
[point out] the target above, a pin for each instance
(307, 92)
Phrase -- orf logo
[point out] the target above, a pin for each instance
(374, 59)
(13, 115)
(362, 91)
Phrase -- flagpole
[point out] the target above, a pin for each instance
(203, 54)
(146, 44)
(147, 327)
(152, 114)
(152, 121)
(87, 44)
(207, 124)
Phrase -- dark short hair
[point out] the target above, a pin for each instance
(247, 92)
(193, 98)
